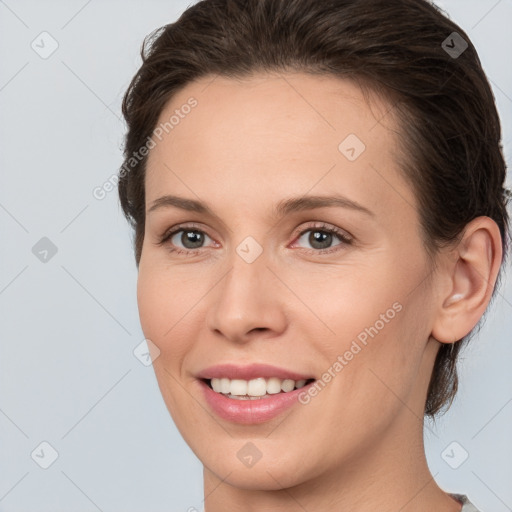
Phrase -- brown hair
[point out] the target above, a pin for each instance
(450, 131)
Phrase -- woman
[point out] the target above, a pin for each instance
(320, 220)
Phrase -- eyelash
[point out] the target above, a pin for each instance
(342, 236)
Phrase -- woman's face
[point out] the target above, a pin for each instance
(296, 247)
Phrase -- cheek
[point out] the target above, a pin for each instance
(375, 324)
(387, 354)
(151, 304)
(163, 305)
(163, 318)
(349, 303)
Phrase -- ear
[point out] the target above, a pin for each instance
(468, 274)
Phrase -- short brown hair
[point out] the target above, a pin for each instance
(450, 129)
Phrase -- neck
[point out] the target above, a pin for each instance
(390, 474)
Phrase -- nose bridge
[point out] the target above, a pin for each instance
(244, 300)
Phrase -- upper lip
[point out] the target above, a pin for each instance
(248, 372)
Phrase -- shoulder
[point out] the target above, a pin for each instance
(467, 506)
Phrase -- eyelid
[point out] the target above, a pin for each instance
(324, 226)
(190, 226)
(345, 237)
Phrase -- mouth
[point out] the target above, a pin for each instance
(254, 389)
(233, 400)
(251, 394)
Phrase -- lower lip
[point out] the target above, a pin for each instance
(250, 411)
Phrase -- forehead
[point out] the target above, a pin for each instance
(270, 134)
(278, 110)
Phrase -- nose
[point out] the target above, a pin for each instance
(247, 302)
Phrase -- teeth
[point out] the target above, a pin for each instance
(238, 387)
(288, 385)
(225, 385)
(216, 383)
(273, 386)
(254, 388)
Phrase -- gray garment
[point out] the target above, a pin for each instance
(467, 506)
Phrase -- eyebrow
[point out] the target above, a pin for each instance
(282, 208)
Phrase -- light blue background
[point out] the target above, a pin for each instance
(69, 326)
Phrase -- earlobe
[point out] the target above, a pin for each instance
(470, 278)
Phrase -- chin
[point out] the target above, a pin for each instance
(263, 476)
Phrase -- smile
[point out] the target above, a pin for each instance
(251, 394)
(254, 389)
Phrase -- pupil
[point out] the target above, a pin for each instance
(320, 239)
(194, 238)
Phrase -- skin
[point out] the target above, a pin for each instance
(249, 144)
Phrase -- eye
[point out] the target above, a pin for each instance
(184, 239)
(321, 237)
(190, 239)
